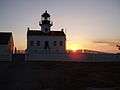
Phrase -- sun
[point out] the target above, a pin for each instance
(73, 47)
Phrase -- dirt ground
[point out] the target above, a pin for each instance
(56, 75)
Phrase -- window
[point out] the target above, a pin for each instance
(38, 43)
(55, 43)
(31, 43)
(61, 43)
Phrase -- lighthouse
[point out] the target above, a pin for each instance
(44, 43)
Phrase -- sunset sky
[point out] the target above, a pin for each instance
(89, 24)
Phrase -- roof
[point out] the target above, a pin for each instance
(40, 33)
(5, 37)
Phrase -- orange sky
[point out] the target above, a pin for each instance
(85, 21)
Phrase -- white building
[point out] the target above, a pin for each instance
(6, 46)
(45, 44)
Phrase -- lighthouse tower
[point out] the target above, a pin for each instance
(45, 22)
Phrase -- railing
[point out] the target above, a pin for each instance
(50, 22)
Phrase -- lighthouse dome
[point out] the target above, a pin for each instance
(45, 14)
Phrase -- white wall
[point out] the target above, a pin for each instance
(42, 39)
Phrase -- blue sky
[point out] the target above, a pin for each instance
(85, 21)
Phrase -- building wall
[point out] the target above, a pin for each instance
(5, 55)
(6, 50)
(40, 48)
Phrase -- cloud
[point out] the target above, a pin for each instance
(108, 42)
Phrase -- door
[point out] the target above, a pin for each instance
(46, 45)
